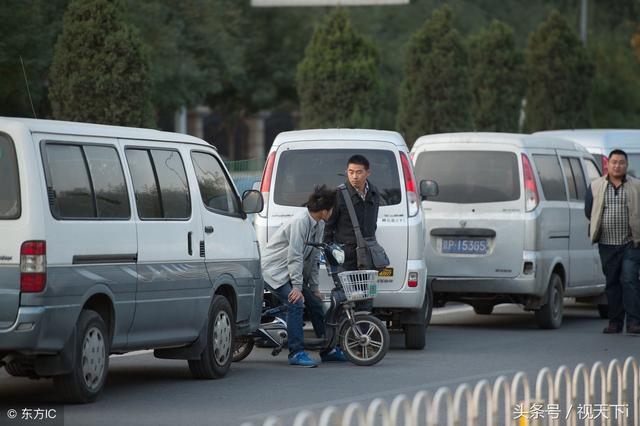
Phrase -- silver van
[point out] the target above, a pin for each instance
(299, 160)
(117, 239)
(600, 142)
(508, 223)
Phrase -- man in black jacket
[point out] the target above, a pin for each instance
(366, 201)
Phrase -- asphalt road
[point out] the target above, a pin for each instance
(461, 347)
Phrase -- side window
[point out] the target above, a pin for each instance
(10, 207)
(550, 177)
(571, 181)
(144, 184)
(216, 190)
(578, 174)
(68, 184)
(160, 184)
(107, 176)
(172, 180)
(592, 170)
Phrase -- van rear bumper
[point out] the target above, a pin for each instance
(39, 330)
(521, 285)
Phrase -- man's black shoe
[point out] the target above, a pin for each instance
(633, 329)
(613, 328)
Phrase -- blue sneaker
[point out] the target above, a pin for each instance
(334, 355)
(302, 359)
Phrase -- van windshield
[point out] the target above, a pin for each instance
(301, 169)
(10, 187)
(467, 177)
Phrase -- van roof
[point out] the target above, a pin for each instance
(598, 138)
(85, 129)
(340, 134)
(517, 140)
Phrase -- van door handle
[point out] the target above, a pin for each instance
(189, 248)
(208, 229)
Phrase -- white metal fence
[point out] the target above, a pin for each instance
(603, 395)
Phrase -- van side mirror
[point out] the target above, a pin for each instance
(252, 201)
(428, 188)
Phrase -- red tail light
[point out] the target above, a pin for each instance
(410, 184)
(605, 164)
(530, 187)
(413, 279)
(265, 185)
(33, 266)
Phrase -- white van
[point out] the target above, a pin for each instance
(299, 160)
(508, 223)
(600, 142)
(117, 239)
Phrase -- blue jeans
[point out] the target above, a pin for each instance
(295, 333)
(621, 265)
(316, 311)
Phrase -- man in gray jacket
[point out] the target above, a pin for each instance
(290, 271)
(612, 204)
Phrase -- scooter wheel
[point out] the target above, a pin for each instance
(366, 342)
(242, 347)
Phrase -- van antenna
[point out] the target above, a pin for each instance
(24, 73)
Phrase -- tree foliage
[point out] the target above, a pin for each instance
(497, 79)
(338, 80)
(435, 96)
(100, 70)
(560, 76)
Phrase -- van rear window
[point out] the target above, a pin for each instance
(10, 188)
(301, 169)
(467, 177)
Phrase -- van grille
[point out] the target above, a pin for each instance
(201, 248)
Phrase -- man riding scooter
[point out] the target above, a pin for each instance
(290, 269)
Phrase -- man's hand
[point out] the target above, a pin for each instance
(295, 295)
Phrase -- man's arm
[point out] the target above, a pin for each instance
(588, 203)
(295, 254)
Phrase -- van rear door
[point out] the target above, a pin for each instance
(302, 165)
(474, 224)
(10, 212)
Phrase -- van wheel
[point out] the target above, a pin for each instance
(216, 358)
(414, 336)
(603, 311)
(86, 380)
(550, 315)
(483, 308)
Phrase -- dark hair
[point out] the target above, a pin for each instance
(359, 159)
(322, 198)
(618, 152)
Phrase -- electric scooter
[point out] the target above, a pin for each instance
(363, 338)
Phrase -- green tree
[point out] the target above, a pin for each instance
(339, 78)
(435, 96)
(497, 79)
(559, 77)
(100, 70)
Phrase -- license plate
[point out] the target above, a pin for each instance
(386, 272)
(464, 245)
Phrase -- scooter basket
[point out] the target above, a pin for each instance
(359, 285)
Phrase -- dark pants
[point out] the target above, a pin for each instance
(621, 266)
(351, 264)
(316, 311)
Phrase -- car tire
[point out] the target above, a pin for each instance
(16, 369)
(603, 311)
(87, 378)
(217, 356)
(414, 336)
(242, 347)
(549, 316)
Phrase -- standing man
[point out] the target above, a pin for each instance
(290, 271)
(612, 204)
(366, 202)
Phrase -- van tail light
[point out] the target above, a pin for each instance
(33, 266)
(410, 184)
(413, 279)
(530, 187)
(605, 164)
(265, 184)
